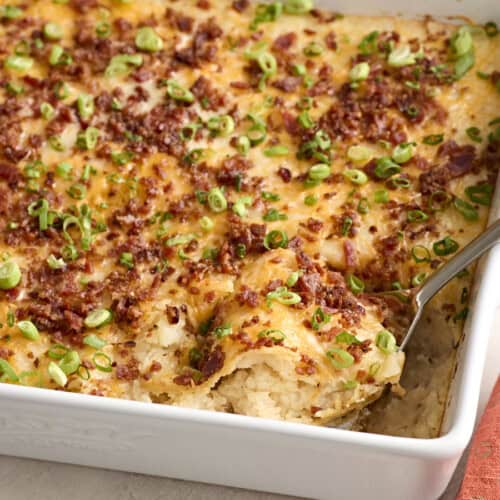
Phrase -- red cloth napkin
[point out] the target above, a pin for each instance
(482, 474)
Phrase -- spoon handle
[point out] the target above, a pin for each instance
(460, 261)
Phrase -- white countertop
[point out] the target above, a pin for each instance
(22, 479)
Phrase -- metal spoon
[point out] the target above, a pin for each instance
(444, 274)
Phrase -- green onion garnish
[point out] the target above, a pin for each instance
(355, 284)
(386, 168)
(240, 206)
(87, 139)
(94, 341)
(206, 223)
(417, 216)
(221, 125)
(403, 152)
(359, 72)
(28, 330)
(147, 39)
(474, 134)
(381, 196)
(446, 246)
(346, 338)
(102, 362)
(339, 358)
(57, 374)
(420, 254)
(85, 104)
(98, 318)
(276, 239)
(53, 31)
(216, 200)
(70, 362)
(283, 296)
(223, 331)
(274, 215)
(127, 260)
(466, 209)
(18, 63)
(57, 351)
(313, 49)
(7, 371)
(418, 279)
(386, 342)
(433, 139)
(276, 336)
(10, 275)
(298, 7)
(274, 151)
(356, 176)
(123, 64)
(320, 319)
(480, 194)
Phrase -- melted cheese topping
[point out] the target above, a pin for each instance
(196, 321)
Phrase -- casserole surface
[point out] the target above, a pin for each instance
(181, 247)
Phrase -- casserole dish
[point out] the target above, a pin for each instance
(124, 436)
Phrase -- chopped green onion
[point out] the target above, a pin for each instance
(61, 90)
(446, 246)
(102, 29)
(403, 152)
(346, 225)
(14, 88)
(299, 70)
(147, 39)
(359, 154)
(127, 260)
(122, 64)
(18, 63)
(356, 176)
(53, 31)
(368, 44)
(58, 56)
(283, 296)
(257, 132)
(363, 206)
(466, 209)
(474, 134)
(339, 358)
(77, 191)
(266, 13)
(276, 239)
(418, 279)
(70, 362)
(206, 223)
(10, 12)
(46, 110)
(293, 278)
(461, 42)
(55, 263)
(102, 362)
(480, 194)
(381, 196)
(221, 125)
(273, 215)
(94, 341)
(433, 139)
(28, 330)
(305, 120)
(10, 275)
(386, 168)
(320, 319)
(216, 200)
(122, 157)
(417, 216)
(311, 200)
(386, 342)
(55, 143)
(439, 200)
(463, 64)
(85, 103)
(298, 7)
(223, 331)
(346, 338)
(240, 207)
(319, 172)
(355, 284)
(266, 62)
(359, 72)
(401, 56)
(274, 151)
(87, 139)
(243, 145)
(181, 239)
(57, 374)
(57, 351)
(7, 371)
(420, 254)
(98, 318)
(313, 49)
(276, 336)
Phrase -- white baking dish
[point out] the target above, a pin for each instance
(261, 454)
